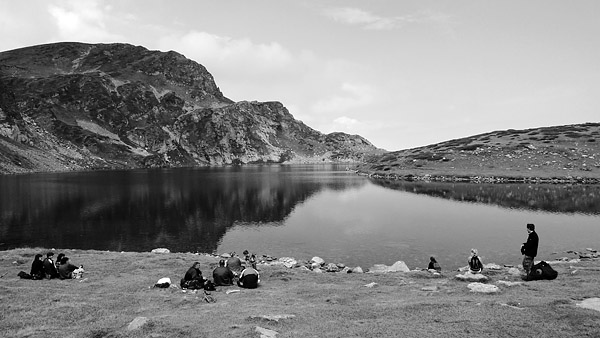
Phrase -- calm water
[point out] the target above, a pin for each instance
(298, 211)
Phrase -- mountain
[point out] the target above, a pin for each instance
(75, 106)
(558, 154)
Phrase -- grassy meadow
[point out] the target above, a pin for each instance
(117, 288)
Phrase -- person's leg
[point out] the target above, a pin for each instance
(527, 264)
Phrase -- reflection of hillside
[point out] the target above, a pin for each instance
(184, 210)
(551, 198)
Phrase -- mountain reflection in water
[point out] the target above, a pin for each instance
(556, 198)
(181, 209)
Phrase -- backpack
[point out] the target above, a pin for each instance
(542, 270)
(209, 286)
(475, 264)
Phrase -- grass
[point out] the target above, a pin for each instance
(117, 288)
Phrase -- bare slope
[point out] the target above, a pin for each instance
(559, 153)
(73, 106)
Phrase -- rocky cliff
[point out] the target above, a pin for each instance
(74, 106)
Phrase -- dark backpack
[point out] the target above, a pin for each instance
(475, 264)
(209, 286)
(542, 270)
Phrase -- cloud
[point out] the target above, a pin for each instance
(356, 16)
(237, 55)
(83, 21)
(353, 96)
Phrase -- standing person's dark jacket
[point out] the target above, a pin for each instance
(530, 247)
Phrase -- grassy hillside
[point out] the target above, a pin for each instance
(560, 152)
(296, 302)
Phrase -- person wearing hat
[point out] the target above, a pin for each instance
(49, 266)
(222, 275)
(529, 248)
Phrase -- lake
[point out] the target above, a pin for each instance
(298, 211)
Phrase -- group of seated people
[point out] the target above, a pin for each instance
(229, 272)
(49, 268)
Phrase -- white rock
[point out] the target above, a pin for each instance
(399, 266)
(483, 288)
(370, 285)
(357, 269)
(288, 262)
(514, 271)
(472, 277)
(507, 283)
(492, 266)
(161, 250)
(266, 333)
(317, 260)
(137, 323)
(590, 303)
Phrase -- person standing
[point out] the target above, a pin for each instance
(529, 248)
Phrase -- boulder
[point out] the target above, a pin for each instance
(492, 266)
(514, 271)
(266, 333)
(507, 283)
(472, 277)
(331, 267)
(483, 288)
(399, 266)
(288, 262)
(590, 303)
(317, 260)
(137, 323)
(357, 269)
(161, 250)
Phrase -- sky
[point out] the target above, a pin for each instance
(400, 73)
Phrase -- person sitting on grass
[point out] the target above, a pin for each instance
(37, 268)
(66, 269)
(193, 278)
(58, 261)
(222, 275)
(49, 267)
(475, 265)
(249, 278)
(434, 265)
(234, 263)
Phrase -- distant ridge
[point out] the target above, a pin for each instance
(558, 154)
(76, 106)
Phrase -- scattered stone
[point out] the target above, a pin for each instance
(137, 323)
(399, 266)
(317, 260)
(370, 285)
(512, 306)
(429, 288)
(160, 250)
(492, 266)
(514, 271)
(507, 283)
(273, 318)
(590, 303)
(483, 288)
(288, 262)
(590, 249)
(226, 255)
(357, 269)
(318, 270)
(472, 277)
(266, 333)
(331, 267)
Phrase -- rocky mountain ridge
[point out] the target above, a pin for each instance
(75, 106)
